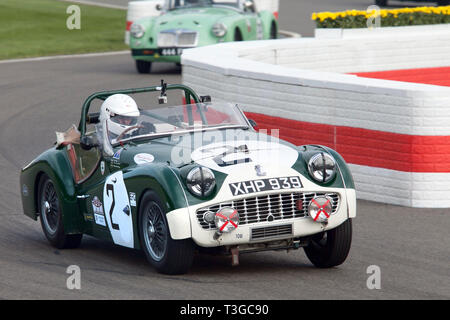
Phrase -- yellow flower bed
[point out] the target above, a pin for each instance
(404, 16)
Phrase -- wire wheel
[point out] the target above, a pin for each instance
(50, 207)
(155, 231)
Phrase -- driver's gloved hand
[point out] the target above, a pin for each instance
(148, 127)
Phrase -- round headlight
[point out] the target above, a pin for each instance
(320, 208)
(219, 30)
(226, 219)
(322, 167)
(137, 30)
(201, 181)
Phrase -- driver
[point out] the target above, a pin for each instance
(120, 112)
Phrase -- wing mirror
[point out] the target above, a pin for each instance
(158, 7)
(87, 143)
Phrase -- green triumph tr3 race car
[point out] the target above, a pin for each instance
(177, 180)
(187, 24)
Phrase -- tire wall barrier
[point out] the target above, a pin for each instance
(394, 135)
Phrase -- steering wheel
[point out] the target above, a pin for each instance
(127, 130)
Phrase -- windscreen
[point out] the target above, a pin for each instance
(174, 4)
(157, 122)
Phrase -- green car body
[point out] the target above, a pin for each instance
(197, 23)
(82, 181)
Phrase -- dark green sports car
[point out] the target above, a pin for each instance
(174, 180)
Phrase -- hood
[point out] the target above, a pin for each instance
(222, 151)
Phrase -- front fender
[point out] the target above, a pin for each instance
(165, 181)
(268, 19)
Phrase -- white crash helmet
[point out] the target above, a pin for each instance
(120, 112)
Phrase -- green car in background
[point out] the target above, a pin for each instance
(187, 24)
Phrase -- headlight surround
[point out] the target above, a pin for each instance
(137, 30)
(219, 30)
(322, 167)
(201, 181)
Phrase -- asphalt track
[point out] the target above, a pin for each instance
(410, 246)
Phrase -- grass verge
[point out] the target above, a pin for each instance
(33, 28)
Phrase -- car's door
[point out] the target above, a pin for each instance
(89, 172)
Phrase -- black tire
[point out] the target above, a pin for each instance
(273, 31)
(51, 217)
(143, 66)
(168, 256)
(331, 248)
(381, 3)
(238, 35)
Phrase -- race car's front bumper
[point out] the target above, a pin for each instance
(184, 223)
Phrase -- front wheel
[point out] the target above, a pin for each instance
(143, 66)
(51, 217)
(165, 254)
(330, 248)
(273, 31)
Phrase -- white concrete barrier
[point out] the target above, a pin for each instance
(395, 135)
(140, 9)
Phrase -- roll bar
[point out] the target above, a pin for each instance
(102, 95)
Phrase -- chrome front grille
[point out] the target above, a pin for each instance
(177, 38)
(187, 39)
(167, 39)
(268, 208)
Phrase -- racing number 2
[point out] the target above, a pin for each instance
(219, 160)
(110, 187)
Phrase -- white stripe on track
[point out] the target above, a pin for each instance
(68, 56)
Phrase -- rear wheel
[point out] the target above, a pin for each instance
(143, 66)
(330, 248)
(51, 217)
(165, 254)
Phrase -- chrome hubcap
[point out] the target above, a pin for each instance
(49, 208)
(150, 230)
